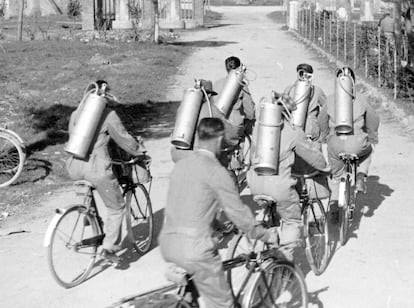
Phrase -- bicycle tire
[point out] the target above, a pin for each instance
(61, 265)
(316, 236)
(240, 244)
(12, 158)
(344, 212)
(139, 218)
(286, 283)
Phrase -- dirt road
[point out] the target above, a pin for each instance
(374, 269)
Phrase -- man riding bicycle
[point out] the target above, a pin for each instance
(359, 142)
(199, 187)
(281, 187)
(97, 169)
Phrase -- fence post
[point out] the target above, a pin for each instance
(337, 39)
(379, 57)
(345, 46)
(310, 25)
(395, 71)
(366, 52)
(324, 32)
(330, 37)
(355, 42)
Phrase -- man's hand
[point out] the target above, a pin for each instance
(273, 236)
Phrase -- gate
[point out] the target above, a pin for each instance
(104, 14)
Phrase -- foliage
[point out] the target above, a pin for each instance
(3, 8)
(74, 8)
(135, 12)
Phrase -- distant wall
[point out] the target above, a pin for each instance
(44, 7)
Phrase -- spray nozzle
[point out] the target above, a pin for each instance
(304, 75)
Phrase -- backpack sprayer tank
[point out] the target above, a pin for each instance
(88, 115)
(301, 97)
(186, 120)
(266, 156)
(344, 99)
(231, 90)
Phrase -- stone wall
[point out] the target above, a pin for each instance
(32, 7)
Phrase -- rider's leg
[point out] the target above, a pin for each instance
(109, 191)
(290, 214)
(362, 169)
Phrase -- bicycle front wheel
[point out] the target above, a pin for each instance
(240, 244)
(139, 218)
(72, 241)
(12, 157)
(316, 236)
(277, 284)
(344, 207)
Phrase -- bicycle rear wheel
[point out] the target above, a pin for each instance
(240, 244)
(277, 284)
(344, 207)
(72, 240)
(140, 219)
(316, 236)
(12, 157)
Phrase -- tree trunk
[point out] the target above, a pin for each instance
(156, 25)
(20, 22)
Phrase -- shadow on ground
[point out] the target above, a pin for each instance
(203, 43)
(148, 119)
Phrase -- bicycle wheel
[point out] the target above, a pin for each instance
(316, 236)
(72, 240)
(240, 244)
(140, 219)
(277, 284)
(12, 157)
(344, 205)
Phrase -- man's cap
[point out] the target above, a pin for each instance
(208, 86)
(305, 67)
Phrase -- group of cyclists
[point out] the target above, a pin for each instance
(203, 186)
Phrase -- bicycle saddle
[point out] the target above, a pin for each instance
(348, 156)
(306, 176)
(263, 199)
(83, 183)
(176, 274)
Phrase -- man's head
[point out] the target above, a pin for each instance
(232, 63)
(304, 71)
(210, 134)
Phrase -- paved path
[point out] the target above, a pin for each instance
(374, 269)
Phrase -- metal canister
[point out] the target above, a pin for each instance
(231, 90)
(186, 120)
(266, 156)
(344, 101)
(301, 97)
(89, 115)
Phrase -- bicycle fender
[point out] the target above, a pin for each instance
(341, 198)
(52, 227)
(14, 135)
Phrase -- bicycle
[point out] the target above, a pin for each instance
(347, 195)
(75, 232)
(12, 156)
(315, 227)
(270, 282)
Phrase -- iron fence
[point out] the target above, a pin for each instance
(381, 58)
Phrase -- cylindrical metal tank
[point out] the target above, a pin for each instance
(266, 156)
(231, 90)
(186, 120)
(344, 100)
(301, 97)
(89, 115)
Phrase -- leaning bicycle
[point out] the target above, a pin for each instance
(347, 195)
(12, 156)
(76, 232)
(270, 282)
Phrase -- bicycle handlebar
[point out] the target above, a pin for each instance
(133, 160)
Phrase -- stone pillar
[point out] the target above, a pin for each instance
(172, 20)
(147, 14)
(198, 13)
(122, 20)
(88, 18)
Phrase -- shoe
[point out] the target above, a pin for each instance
(110, 256)
(360, 185)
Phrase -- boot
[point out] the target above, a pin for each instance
(360, 184)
